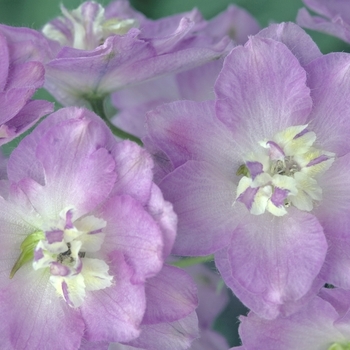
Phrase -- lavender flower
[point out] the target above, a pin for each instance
(105, 50)
(83, 226)
(322, 324)
(261, 176)
(335, 18)
(19, 79)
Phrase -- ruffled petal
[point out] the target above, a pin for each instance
(133, 232)
(311, 328)
(275, 259)
(328, 79)
(36, 316)
(296, 39)
(261, 88)
(69, 174)
(115, 313)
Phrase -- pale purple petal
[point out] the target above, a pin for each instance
(186, 130)
(29, 74)
(162, 212)
(336, 18)
(24, 163)
(83, 169)
(167, 336)
(115, 313)
(12, 102)
(333, 214)
(276, 259)
(203, 199)
(75, 73)
(134, 171)
(328, 79)
(261, 88)
(133, 232)
(26, 45)
(27, 117)
(34, 314)
(171, 296)
(311, 328)
(132, 104)
(329, 8)
(295, 38)
(159, 65)
(235, 22)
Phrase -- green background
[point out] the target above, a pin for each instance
(35, 13)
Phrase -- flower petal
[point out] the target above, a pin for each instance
(115, 313)
(261, 88)
(328, 79)
(203, 199)
(133, 232)
(34, 313)
(275, 259)
(171, 295)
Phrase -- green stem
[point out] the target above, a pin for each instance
(97, 107)
(185, 262)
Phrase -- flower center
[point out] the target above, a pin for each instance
(283, 172)
(64, 250)
(86, 27)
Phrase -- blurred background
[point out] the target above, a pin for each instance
(35, 13)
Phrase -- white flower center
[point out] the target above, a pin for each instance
(283, 173)
(86, 27)
(65, 252)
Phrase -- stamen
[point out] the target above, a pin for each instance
(289, 178)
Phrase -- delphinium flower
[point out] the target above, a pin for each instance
(19, 80)
(82, 227)
(100, 51)
(261, 176)
(335, 18)
(194, 84)
(322, 324)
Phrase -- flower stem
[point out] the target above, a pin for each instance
(185, 262)
(97, 107)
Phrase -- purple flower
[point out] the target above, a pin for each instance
(101, 51)
(323, 323)
(261, 176)
(195, 84)
(335, 18)
(83, 227)
(19, 79)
